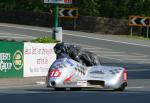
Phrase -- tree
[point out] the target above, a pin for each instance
(88, 7)
(104, 8)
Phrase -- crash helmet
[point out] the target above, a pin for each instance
(59, 48)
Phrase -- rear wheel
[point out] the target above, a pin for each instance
(122, 87)
(75, 89)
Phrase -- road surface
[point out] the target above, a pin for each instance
(114, 50)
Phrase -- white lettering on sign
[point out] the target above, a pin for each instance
(42, 61)
(42, 51)
(4, 56)
(4, 66)
(5, 63)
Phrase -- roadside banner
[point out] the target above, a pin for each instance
(38, 58)
(11, 59)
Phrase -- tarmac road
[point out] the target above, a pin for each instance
(40, 94)
(114, 50)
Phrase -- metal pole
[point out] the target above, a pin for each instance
(147, 32)
(74, 24)
(56, 21)
(51, 15)
(131, 32)
(59, 22)
(56, 16)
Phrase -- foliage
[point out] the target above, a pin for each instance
(44, 40)
(115, 8)
(27, 5)
(89, 7)
(104, 8)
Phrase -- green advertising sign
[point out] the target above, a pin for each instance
(11, 59)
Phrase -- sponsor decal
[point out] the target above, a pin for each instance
(33, 50)
(70, 63)
(58, 65)
(5, 62)
(97, 72)
(11, 59)
(18, 60)
(82, 83)
(99, 77)
(114, 71)
(68, 79)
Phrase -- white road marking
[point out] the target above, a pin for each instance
(137, 59)
(138, 54)
(131, 57)
(114, 56)
(134, 87)
(14, 34)
(11, 34)
(107, 52)
(132, 70)
(40, 82)
(144, 62)
(16, 37)
(13, 37)
(110, 58)
(99, 55)
(129, 60)
(91, 47)
(26, 28)
(20, 86)
(96, 49)
(109, 40)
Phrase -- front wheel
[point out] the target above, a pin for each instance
(59, 89)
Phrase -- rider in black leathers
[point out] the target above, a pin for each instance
(76, 53)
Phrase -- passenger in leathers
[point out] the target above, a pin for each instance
(76, 53)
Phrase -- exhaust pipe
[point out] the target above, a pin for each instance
(53, 83)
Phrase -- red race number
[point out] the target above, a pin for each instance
(55, 73)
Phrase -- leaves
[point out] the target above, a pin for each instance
(44, 40)
(104, 8)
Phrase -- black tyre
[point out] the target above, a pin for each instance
(121, 88)
(60, 89)
(75, 89)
